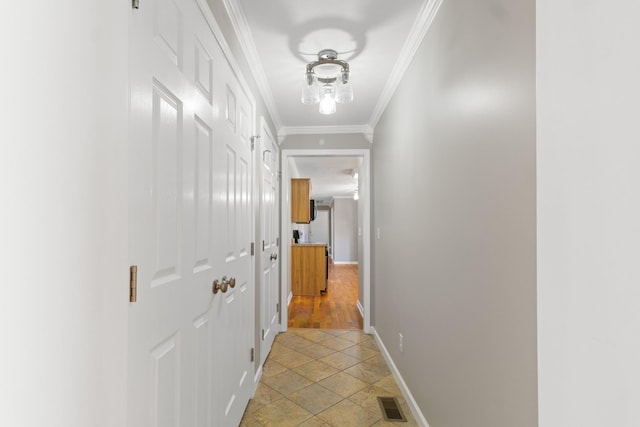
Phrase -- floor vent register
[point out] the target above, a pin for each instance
(391, 409)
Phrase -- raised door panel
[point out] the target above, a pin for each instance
(166, 190)
(203, 191)
(202, 365)
(165, 383)
(167, 30)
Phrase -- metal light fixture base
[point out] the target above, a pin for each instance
(335, 88)
(327, 54)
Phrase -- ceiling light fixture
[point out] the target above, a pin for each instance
(327, 82)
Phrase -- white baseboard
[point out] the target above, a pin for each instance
(360, 308)
(415, 410)
(256, 380)
(345, 262)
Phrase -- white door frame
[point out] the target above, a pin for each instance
(263, 347)
(365, 227)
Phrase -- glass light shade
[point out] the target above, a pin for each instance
(327, 104)
(344, 92)
(310, 90)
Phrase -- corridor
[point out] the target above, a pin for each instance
(325, 377)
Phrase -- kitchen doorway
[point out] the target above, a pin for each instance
(363, 238)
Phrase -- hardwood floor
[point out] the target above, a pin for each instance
(335, 309)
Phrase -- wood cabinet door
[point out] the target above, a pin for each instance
(308, 269)
(300, 197)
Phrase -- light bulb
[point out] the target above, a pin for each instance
(327, 104)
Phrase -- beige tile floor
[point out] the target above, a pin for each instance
(316, 377)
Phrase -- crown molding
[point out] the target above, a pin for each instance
(365, 130)
(416, 35)
(241, 27)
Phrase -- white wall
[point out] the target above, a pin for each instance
(454, 199)
(329, 141)
(319, 227)
(63, 221)
(345, 216)
(588, 152)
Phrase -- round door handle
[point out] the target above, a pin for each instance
(232, 282)
(216, 286)
(273, 256)
(221, 286)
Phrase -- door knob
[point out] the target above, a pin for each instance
(273, 256)
(232, 282)
(221, 286)
(216, 286)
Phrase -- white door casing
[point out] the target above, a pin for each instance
(364, 299)
(190, 221)
(269, 248)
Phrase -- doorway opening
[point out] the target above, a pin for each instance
(345, 305)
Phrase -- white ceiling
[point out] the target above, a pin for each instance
(330, 175)
(377, 37)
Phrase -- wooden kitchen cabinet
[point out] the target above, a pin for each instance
(308, 268)
(300, 198)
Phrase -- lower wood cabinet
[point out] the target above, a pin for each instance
(308, 269)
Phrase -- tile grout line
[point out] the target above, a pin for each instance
(294, 341)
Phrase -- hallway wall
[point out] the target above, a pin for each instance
(346, 230)
(454, 203)
(588, 213)
(63, 221)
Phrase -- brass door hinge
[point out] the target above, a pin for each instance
(263, 335)
(253, 354)
(133, 283)
(253, 248)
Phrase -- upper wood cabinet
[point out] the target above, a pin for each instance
(300, 198)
